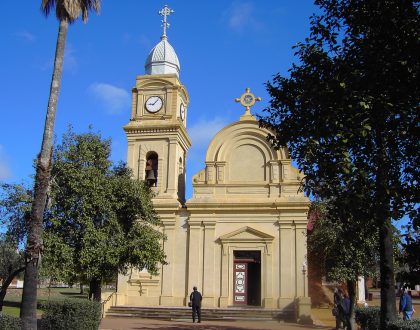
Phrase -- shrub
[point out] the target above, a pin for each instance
(9, 322)
(368, 317)
(71, 314)
(404, 325)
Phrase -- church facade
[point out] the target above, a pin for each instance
(241, 238)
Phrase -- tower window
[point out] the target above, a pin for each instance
(151, 172)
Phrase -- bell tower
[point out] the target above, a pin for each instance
(158, 141)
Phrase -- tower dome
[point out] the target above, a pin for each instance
(162, 59)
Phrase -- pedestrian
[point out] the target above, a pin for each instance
(346, 304)
(195, 300)
(339, 309)
(406, 304)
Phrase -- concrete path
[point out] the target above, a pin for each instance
(135, 323)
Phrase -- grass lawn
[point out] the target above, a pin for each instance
(14, 297)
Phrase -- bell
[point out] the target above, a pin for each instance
(150, 175)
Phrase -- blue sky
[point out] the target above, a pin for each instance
(223, 47)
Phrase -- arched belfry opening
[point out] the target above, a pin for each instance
(151, 171)
(181, 180)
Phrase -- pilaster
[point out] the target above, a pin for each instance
(208, 264)
(166, 298)
(194, 249)
(287, 265)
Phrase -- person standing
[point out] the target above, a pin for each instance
(406, 304)
(339, 309)
(346, 304)
(195, 299)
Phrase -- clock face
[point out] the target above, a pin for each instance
(182, 111)
(248, 99)
(154, 104)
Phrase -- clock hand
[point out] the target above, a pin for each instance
(155, 102)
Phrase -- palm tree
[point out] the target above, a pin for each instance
(67, 11)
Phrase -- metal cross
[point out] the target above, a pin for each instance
(248, 99)
(165, 11)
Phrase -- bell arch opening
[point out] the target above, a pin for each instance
(151, 171)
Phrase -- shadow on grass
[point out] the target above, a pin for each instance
(73, 294)
(11, 303)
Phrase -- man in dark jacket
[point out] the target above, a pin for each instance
(406, 304)
(195, 299)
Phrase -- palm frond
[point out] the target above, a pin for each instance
(70, 10)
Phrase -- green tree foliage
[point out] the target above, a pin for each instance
(101, 220)
(343, 259)
(410, 256)
(67, 11)
(349, 114)
(345, 247)
(15, 207)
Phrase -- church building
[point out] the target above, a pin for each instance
(241, 238)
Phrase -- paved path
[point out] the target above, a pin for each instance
(136, 323)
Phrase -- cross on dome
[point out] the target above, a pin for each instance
(248, 99)
(165, 11)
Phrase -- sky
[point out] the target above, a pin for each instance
(223, 47)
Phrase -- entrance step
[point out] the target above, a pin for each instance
(184, 313)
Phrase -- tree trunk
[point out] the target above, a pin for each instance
(388, 298)
(95, 289)
(42, 177)
(5, 285)
(351, 287)
(81, 288)
(383, 220)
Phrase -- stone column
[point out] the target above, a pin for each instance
(300, 263)
(361, 299)
(194, 248)
(131, 154)
(285, 170)
(220, 172)
(223, 301)
(210, 173)
(267, 301)
(166, 298)
(172, 171)
(208, 264)
(286, 274)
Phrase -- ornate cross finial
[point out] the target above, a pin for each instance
(165, 11)
(248, 99)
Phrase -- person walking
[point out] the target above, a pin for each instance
(195, 300)
(406, 304)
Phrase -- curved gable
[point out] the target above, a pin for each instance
(241, 162)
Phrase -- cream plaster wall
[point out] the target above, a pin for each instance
(246, 198)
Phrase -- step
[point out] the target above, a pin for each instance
(179, 313)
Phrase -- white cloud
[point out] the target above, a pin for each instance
(203, 131)
(5, 171)
(70, 61)
(142, 40)
(241, 16)
(25, 35)
(114, 99)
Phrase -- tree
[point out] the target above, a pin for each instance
(343, 259)
(67, 11)
(410, 256)
(11, 264)
(349, 115)
(15, 207)
(101, 220)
